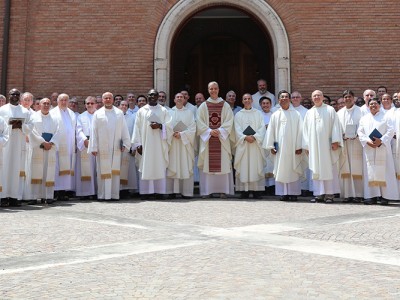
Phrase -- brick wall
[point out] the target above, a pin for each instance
(88, 47)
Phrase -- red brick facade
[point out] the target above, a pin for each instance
(88, 47)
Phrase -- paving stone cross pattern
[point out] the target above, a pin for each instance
(200, 249)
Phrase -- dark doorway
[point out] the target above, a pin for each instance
(225, 45)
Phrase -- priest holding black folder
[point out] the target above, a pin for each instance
(376, 131)
(249, 156)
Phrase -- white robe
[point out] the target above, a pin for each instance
(181, 154)
(4, 137)
(321, 128)
(306, 181)
(285, 128)
(210, 182)
(269, 161)
(86, 187)
(109, 132)
(382, 183)
(154, 159)
(65, 178)
(14, 154)
(249, 157)
(128, 158)
(350, 166)
(41, 123)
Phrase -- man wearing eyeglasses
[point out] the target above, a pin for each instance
(85, 162)
(19, 125)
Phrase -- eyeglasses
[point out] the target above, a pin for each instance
(90, 103)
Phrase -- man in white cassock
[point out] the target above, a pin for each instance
(150, 139)
(376, 131)
(350, 161)
(214, 126)
(65, 156)
(181, 151)
(306, 181)
(109, 138)
(41, 162)
(19, 125)
(284, 140)
(322, 139)
(85, 176)
(4, 137)
(249, 155)
(129, 178)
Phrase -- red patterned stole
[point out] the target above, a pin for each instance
(214, 149)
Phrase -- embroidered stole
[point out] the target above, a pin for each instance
(110, 163)
(85, 165)
(214, 149)
(38, 166)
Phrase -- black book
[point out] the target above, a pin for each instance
(249, 131)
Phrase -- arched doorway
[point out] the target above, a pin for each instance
(184, 10)
(221, 44)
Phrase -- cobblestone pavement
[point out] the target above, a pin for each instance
(200, 249)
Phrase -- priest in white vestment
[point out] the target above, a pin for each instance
(150, 140)
(129, 174)
(284, 140)
(322, 139)
(376, 132)
(19, 125)
(249, 155)
(181, 150)
(4, 137)
(41, 163)
(266, 112)
(214, 126)
(109, 138)
(350, 161)
(65, 156)
(306, 181)
(86, 177)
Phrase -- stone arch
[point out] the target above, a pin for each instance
(185, 8)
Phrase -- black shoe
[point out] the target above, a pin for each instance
(384, 201)
(368, 201)
(31, 202)
(14, 202)
(284, 198)
(172, 196)
(187, 197)
(5, 202)
(257, 195)
(244, 195)
(145, 197)
(293, 198)
(62, 196)
(47, 201)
